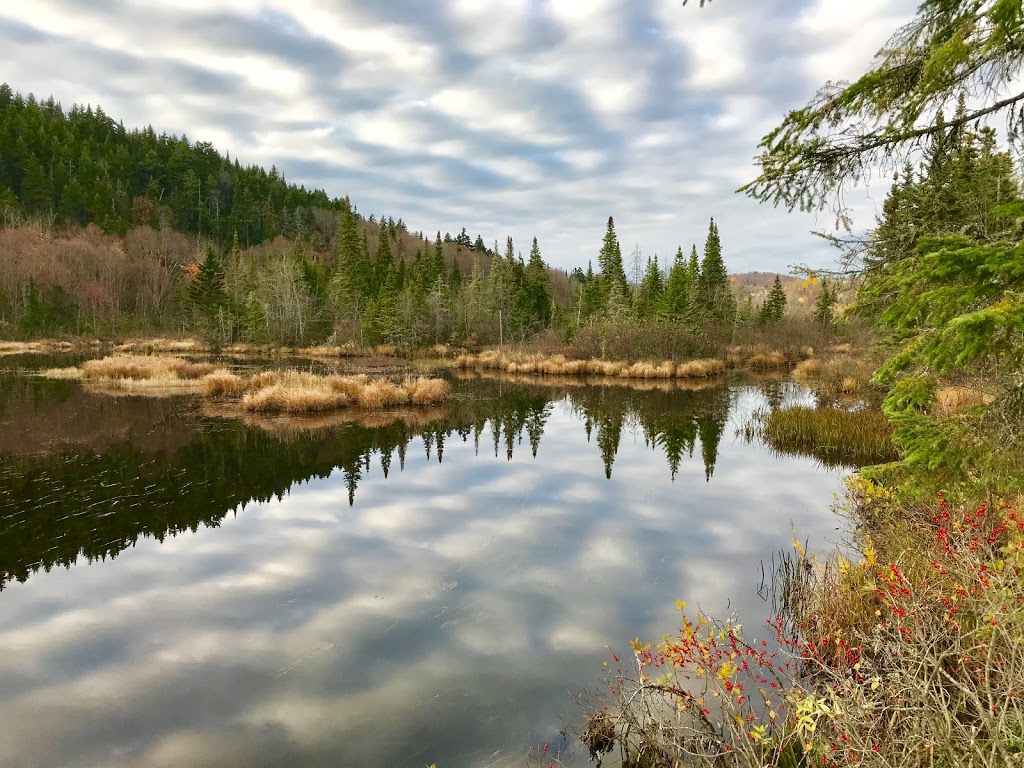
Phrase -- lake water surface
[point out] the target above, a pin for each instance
(181, 589)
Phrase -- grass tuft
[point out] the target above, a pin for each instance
(701, 369)
(834, 436)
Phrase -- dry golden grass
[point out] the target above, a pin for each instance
(298, 392)
(381, 394)
(594, 380)
(841, 349)
(141, 367)
(766, 358)
(807, 369)
(155, 345)
(62, 373)
(951, 400)
(279, 398)
(424, 391)
(850, 386)
(701, 369)
(223, 383)
(558, 365)
(263, 379)
(156, 386)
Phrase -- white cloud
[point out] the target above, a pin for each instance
(520, 118)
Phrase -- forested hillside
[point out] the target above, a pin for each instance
(107, 231)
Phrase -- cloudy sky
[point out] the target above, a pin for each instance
(509, 117)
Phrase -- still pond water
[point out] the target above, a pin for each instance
(182, 589)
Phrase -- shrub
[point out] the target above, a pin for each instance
(909, 654)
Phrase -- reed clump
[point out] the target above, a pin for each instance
(137, 373)
(701, 369)
(145, 367)
(762, 359)
(297, 392)
(559, 365)
(224, 383)
(834, 436)
(807, 369)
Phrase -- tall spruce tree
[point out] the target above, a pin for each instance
(612, 277)
(715, 299)
(824, 307)
(650, 295)
(774, 308)
(677, 304)
(207, 288)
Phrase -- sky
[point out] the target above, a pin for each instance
(516, 118)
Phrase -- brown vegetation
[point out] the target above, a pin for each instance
(763, 358)
(266, 391)
(298, 392)
(559, 365)
(951, 400)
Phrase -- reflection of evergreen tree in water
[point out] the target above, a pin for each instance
(671, 421)
(55, 508)
(774, 391)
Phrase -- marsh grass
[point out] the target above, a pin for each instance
(701, 369)
(62, 373)
(156, 368)
(763, 358)
(288, 391)
(950, 401)
(46, 347)
(137, 374)
(153, 346)
(297, 392)
(580, 381)
(558, 365)
(834, 436)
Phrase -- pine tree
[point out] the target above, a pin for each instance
(714, 294)
(35, 188)
(824, 308)
(207, 288)
(693, 267)
(651, 293)
(774, 308)
(455, 277)
(590, 294)
(437, 263)
(612, 273)
(537, 288)
(677, 304)
(383, 261)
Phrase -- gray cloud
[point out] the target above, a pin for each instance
(518, 118)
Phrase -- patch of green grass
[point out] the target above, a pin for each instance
(834, 436)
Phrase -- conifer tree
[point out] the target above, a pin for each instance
(714, 294)
(774, 308)
(677, 304)
(383, 261)
(536, 286)
(437, 262)
(824, 308)
(651, 293)
(612, 273)
(455, 276)
(207, 288)
(693, 267)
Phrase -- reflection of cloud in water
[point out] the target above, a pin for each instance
(446, 616)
